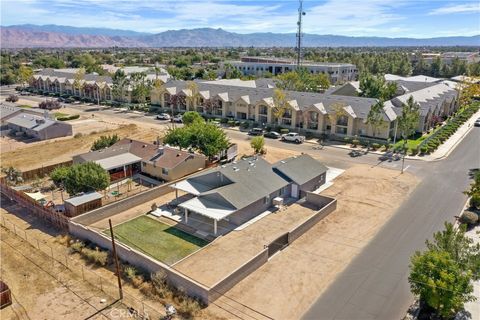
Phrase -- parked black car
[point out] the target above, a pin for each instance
(272, 135)
(255, 132)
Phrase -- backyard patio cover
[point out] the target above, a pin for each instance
(207, 208)
(118, 161)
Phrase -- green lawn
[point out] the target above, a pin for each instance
(417, 139)
(156, 239)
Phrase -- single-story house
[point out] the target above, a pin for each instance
(241, 190)
(121, 160)
(37, 126)
(128, 157)
(171, 163)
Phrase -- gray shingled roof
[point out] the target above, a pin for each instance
(300, 169)
(30, 121)
(360, 105)
(244, 182)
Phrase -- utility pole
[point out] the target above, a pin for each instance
(117, 266)
(299, 34)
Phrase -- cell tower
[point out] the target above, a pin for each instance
(301, 13)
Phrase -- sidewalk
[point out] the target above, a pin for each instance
(442, 152)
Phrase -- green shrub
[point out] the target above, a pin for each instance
(96, 256)
(130, 272)
(245, 125)
(375, 146)
(424, 149)
(67, 118)
(475, 201)
(470, 218)
(355, 142)
(231, 123)
(284, 131)
(347, 139)
(77, 246)
(221, 120)
(78, 135)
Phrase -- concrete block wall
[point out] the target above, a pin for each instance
(236, 276)
(329, 205)
(175, 278)
(122, 205)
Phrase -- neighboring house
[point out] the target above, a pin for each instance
(122, 160)
(9, 110)
(35, 126)
(171, 163)
(239, 191)
(336, 72)
(128, 157)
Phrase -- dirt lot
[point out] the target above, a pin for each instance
(59, 150)
(290, 282)
(36, 291)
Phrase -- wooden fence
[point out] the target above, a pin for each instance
(43, 170)
(35, 208)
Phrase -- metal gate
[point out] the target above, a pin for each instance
(277, 244)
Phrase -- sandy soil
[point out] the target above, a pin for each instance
(59, 150)
(227, 253)
(35, 228)
(37, 293)
(291, 281)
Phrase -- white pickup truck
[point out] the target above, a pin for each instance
(293, 137)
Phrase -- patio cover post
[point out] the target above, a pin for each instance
(215, 226)
(186, 216)
(176, 195)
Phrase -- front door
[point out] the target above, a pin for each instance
(294, 191)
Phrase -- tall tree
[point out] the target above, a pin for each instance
(79, 79)
(407, 122)
(192, 98)
(440, 282)
(461, 248)
(375, 117)
(25, 74)
(86, 177)
(280, 103)
(120, 83)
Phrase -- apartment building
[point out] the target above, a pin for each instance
(337, 72)
(91, 86)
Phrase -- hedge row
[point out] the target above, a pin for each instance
(434, 141)
(71, 117)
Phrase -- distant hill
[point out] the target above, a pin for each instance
(77, 30)
(63, 36)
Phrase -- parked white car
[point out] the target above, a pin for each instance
(293, 137)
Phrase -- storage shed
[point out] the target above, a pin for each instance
(83, 203)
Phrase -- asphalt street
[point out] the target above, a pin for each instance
(374, 285)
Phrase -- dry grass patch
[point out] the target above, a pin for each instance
(60, 150)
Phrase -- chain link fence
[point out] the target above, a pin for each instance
(136, 308)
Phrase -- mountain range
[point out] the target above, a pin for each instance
(31, 36)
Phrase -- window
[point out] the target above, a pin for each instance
(342, 121)
(165, 171)
(266, 200)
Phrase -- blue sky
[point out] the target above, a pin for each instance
(392, 18)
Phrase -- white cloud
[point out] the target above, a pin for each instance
(460, 8)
